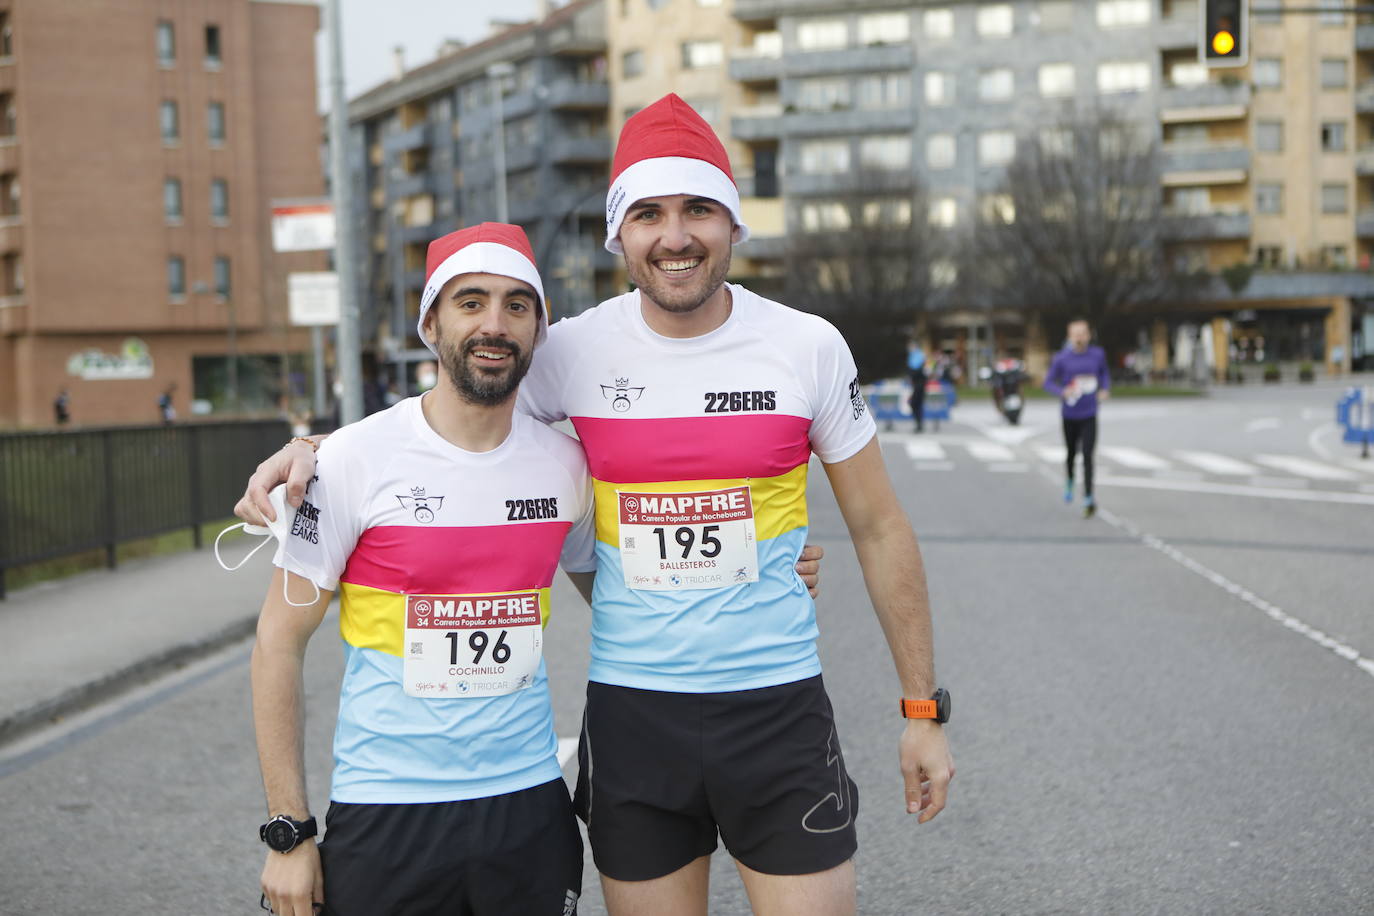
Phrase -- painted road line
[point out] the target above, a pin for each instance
(1009, 435)
(1367, 488)
(1134, 458)
(1344, 497)
(1213, 463)
(1305, 467)
(1273, 611)
(567, 749)
(1360, 464)
(1261, 423)
(934, 465)
(1017, 467)
(925, 450)
(990, 451)
(1055, 454)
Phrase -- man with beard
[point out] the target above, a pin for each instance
(447, 794)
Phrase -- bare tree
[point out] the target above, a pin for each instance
(864, 260)
(1078, 229)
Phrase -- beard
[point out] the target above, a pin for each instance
(475, 384)
(678, 300)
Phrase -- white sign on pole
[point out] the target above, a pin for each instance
(302, 225)
(313, 298)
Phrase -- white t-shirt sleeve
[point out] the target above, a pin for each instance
(541, 390)
(329, 521)
(841, 424)
(579, 548)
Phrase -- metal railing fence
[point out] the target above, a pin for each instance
(68, 492)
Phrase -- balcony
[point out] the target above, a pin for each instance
(1217, 225)
(413, 278)
(1364, 97)
(1179, 29)
(1230, 158)
(1364, 224)
(1213, 101)
(767, 10)
(406, 185)
(577, 39)
(762, 122)
(763, 248)
(11, 233)
(749, 66)
(848, 121)
(578, 95)
(850, 60)
(519, 105)
(416, 235)
(590, 150)
(408, 139)
(1364, 161)
(1364, 37)
(848, 182)
(521, 156)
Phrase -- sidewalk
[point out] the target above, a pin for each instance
(66, 645)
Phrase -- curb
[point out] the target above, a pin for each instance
(103, 688)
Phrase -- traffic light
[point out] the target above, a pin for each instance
(1225, 37)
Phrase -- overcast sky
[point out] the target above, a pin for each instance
(373, 28)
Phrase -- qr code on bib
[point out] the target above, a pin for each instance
(629, 543)
(417, 648)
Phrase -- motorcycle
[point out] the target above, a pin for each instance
(1006, 379)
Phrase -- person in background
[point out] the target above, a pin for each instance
(61, 408)
(1078, 376)
(916, 369)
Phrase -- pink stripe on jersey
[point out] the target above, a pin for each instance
(693, 448)
(457, 561)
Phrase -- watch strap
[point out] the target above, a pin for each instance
(919, 709)
(304, 830)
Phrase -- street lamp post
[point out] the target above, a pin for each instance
(498, 73)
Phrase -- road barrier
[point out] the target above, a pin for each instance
(68, 492)
(1355, 412)
(890, 401)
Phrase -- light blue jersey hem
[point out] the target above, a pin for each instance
(393, 792)
(639, 679)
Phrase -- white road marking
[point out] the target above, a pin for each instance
(1305, 467)
(990, 451)
(1231, 489)
(1273, 611)
(1054, 454)
(1360, 464)
(1314, 439)
(567, 748)
(1012, 467)
(1134, 458)
(935, 465)
(1213, 463)
(1261, 423)
(1010, 435)
(924, 450)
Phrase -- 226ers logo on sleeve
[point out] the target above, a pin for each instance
(472, 645)
(677, 541)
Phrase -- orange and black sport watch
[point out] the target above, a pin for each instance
(937, 707)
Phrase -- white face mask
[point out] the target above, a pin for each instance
(279, 531)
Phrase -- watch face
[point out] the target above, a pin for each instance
(281, 836)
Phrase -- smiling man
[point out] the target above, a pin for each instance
(699, 405)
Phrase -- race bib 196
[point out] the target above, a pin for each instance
(471, 645)
(676, 541)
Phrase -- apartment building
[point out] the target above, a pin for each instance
(141, 143)
(426, 153)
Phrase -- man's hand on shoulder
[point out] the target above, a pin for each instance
(292, 464)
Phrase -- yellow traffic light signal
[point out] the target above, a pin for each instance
(1223, 38)
(1223, 42)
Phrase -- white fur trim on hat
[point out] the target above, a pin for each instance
(666, 175)
(484, 258)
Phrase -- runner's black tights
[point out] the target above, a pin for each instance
(1081, 434)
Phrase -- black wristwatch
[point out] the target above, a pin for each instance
(937, 707)
(284, 833)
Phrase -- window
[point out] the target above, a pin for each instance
(1333, 136)
(885, 153)
(698, 54)
(214, 118)
(938, 23)
(940, 151)
(1113, 14)
(708, 106)
(222, 287)
(1269, 136)
(1055, 15)
(820, 216)
(1189, 135)
(884, 29)
(1189, 201)
(1335, 256)
(823, 93)
(1267, 73)
(171, 199)
(1187, 73)
(6, 35)
(943, 272)
(887, 213)
(944, 212)
(822, 34)
(9, 196)
(1056, 142)
(1332, 12)
(176, 276)
(632, 63)
(1056, 80)
(1265, 12)
(820, 157)
(1123, 76)
(994, 19)
(939, 88)
(1269, 197)
(166, 44)
(1268, 255)
(996, 147)
(168, 120)
(219, 199)
(997, 209)
(1334, 73)
(995, 85)
(1334, 197)
(884, 90)
(212, 55)
(9, 117)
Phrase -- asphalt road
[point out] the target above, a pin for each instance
(1159, 710)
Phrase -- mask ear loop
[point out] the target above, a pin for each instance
(258, 529)
(286, 575)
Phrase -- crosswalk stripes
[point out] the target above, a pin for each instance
(1217, 464)
(1305, 467)
(1133, 458)
(925, 450)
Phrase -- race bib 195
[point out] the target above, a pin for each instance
(471, 645)
(678, 541)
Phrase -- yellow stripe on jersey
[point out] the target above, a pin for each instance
(779, 502)
(370, 618)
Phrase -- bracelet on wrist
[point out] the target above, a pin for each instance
(314, 446)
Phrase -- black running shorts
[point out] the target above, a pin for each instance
(506, 854)
(662, 773)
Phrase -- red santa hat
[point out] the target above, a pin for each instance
(487, 248)
(665, 149)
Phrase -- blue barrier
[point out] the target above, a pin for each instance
(890, 401)
(1355, 413)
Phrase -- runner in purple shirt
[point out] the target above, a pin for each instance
(1078, 375)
